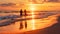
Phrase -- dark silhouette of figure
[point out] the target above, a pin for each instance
(25, 14)
(21, 23)
(21, 12)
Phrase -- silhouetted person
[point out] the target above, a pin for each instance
(21, 23)
(21, 12)
(25, 13)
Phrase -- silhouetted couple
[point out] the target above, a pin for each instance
(21, 22)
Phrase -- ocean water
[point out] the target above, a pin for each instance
(33, 21)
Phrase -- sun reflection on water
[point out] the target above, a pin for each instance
(33, 21)
(33, 24)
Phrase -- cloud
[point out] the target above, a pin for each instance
(53, 0)
(27, 1)
(7, 4)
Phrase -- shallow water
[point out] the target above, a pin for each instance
(39, 20)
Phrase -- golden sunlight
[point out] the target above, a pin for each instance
(42, 7)
(33, 24)
(33, 20)
(31, 7)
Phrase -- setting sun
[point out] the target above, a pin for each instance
(31, 7)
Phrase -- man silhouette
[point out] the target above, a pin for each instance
(21, 23)
(21, 12)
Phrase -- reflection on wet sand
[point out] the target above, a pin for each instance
(29, 24)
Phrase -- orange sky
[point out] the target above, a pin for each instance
(43, 6)
(24, 3)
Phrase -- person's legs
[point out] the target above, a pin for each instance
(21, 22)
(25, 13)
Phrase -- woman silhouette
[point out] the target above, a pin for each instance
(25, 18)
